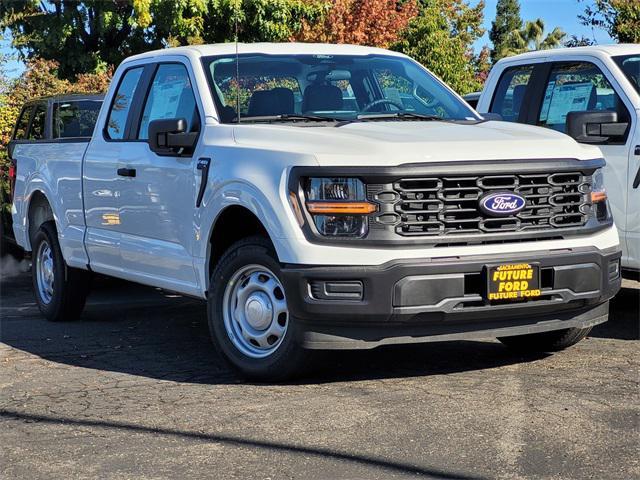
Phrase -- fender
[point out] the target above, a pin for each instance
(237, 193)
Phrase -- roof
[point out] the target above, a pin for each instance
(604, 50)
(268, 49)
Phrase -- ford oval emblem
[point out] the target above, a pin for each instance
(502, 204)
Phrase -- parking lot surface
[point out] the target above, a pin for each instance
(135, 390)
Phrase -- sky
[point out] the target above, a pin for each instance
(555, 13)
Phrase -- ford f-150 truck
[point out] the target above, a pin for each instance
(320, 197)
(592, 94)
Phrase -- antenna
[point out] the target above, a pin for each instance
(237, 64)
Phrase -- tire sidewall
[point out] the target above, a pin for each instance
(278, 363)
(47, 233)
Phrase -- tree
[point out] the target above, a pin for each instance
(87, 36)
(441, 38)
(532, 37)
(507, 21)
(362, 22)
(620, 18)
(575, 41)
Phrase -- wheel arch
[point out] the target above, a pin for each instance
(38, 211)
(232, 224)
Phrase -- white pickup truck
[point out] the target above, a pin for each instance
(592, 94)
(320, 197)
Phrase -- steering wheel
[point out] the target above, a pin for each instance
(382, 101)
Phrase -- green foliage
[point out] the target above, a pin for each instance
(620, 18)
(532, 37)
(507, 20)
(86, 36)
(441, 38)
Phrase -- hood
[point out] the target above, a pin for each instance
(392, 143)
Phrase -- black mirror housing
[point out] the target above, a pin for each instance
(170, 137)
(595, 126)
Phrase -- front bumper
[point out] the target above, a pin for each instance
(409, 301)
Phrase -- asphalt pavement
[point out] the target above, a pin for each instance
(135, 390)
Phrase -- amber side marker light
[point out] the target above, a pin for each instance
(353, 208)
(597, 197)
(293, 199)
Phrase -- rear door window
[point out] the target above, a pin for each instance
(38, 124)
(511, 91)
(121, 104)
(577, 87)
(75, 118)
(23, 123)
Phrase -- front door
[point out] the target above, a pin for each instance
(139, 205)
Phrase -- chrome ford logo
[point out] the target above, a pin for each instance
(502, 204)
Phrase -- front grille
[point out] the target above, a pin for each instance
(446, 206)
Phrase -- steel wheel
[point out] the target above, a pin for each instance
(45, 272)
(255, 311)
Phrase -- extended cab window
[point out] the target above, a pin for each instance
(23, 124)
(75, 118)
(511, 91)
(170, 96)
(121, 103)
(577, 87)
(36, 132)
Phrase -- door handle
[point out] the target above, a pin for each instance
(203, 166)
(636, 181)
(127, 172)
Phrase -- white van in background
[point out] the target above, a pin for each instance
(592, 94)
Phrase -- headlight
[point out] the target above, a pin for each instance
(599, 196)
(338, 206)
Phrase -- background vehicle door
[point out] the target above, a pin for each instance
(633, 203)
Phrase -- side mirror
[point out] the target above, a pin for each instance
(489, 117)
(170, 137)
(595, 126)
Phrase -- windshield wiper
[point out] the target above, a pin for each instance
(286, 117)
(393, 116)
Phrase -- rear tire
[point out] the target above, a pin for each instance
(60, 291)
(546, 341)
(248, 317)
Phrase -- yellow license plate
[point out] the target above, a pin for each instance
(516, 281)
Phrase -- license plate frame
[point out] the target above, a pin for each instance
(512, 282)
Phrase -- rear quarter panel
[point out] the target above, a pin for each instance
(55, 170)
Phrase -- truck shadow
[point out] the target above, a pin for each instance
(142, 331)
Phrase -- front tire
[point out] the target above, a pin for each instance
(60, 291)
(248, 317)
(546, 341)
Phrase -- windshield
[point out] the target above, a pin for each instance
(335, 87)
(630, 65)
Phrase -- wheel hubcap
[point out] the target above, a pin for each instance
(255, 311)
(45, 272)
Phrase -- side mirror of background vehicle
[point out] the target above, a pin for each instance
(170, 137)
(496, 117)
(595, 126)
